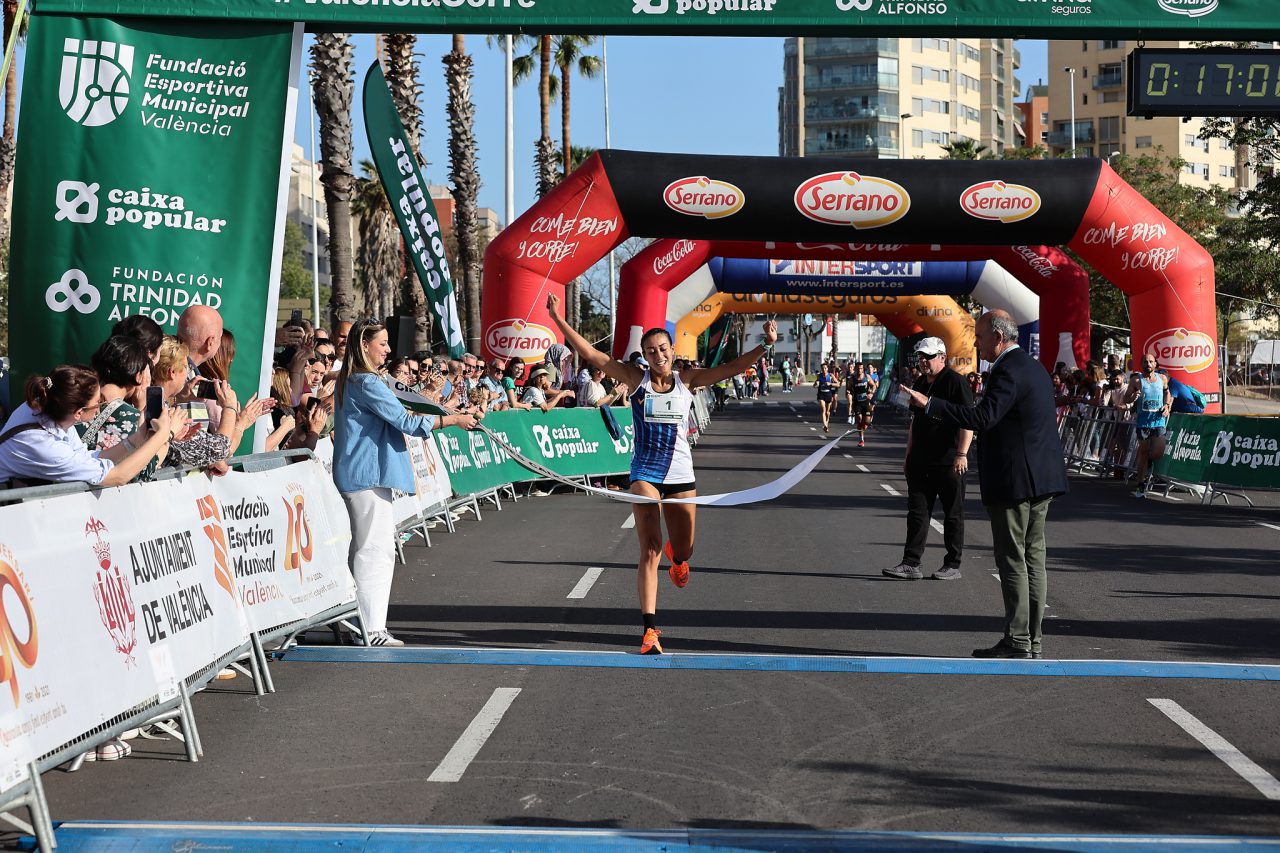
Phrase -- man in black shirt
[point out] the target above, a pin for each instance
(935, 466)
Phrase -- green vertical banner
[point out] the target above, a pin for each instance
(888, 369)
(149, 178)
(406, 190)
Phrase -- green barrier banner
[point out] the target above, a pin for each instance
(148, 179)
(415, 211)
(1193, 19)
(571, 442)
(1222, 449)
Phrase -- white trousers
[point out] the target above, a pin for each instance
(373, 554)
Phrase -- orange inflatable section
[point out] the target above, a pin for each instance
(939, 316)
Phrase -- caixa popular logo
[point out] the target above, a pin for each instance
(1190, 8)
(998, 201)
(1181, 349)
(703, 196)
(94, 85)
(519, 339)
(848, 198)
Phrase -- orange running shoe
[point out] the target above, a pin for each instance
(650, 645)
(679, 571)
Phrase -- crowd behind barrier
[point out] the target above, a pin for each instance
(162, 584)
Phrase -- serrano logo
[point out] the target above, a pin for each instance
(1000, 202)
(12, 650)
(298, 544)
(208, 508)
(508, 338)
(1181, 349)
(847, 198)
(114, 595)
(705, 197)
(1190, 8)
(681, 249)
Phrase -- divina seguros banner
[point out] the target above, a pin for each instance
(1013, 18)
(148, 180)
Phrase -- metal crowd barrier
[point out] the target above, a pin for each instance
(1097, 439)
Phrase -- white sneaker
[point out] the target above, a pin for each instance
(384, 638)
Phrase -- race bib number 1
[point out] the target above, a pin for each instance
(664, 409)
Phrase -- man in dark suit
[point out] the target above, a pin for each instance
(1022, 471)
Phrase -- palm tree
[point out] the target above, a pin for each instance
(568, 54)
(466, 185)
(332, 85)
(964, 149)
(522, 68)
(402, 80)
(381, 260)
(8, 143)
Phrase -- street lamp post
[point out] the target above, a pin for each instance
(1071, 80)
(902, 135)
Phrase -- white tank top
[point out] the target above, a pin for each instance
(661, 424)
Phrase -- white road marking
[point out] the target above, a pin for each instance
(1266, 784)
(935, 524)
(891, 490)
(864, 469)
(846, 455)
(584, 584)
(995, 575)
(629, 523)
(473, 739)
(1272, 526)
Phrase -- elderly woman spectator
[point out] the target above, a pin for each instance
(200, 448)
(39, 443)
(538, 393)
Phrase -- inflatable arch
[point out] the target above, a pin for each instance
(827, 287)
(934, 315)
(1063, 287)
(1081, 204)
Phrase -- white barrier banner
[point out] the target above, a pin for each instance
(429, 473)
(288, 535)
(107, 599)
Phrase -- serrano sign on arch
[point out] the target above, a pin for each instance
(1084, 205)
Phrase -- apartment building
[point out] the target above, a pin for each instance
(1035, 116)
(897, 97)
(1094, 71)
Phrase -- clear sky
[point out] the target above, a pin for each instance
(680, 94)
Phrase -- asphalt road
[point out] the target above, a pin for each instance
(589, 735)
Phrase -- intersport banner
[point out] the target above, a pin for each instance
(1023, 18)
(109, 598)
(1223, 450)
(148, 178)
(415, 211)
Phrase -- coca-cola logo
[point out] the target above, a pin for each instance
(997, 201)
(848, 198)
(519, 339)
(1181, 349)
(703, 196)
(681, 249)
(1038, 263)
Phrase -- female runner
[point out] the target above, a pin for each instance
(828, 382)
(661, 466)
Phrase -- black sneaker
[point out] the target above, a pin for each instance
(1002, 649)
(903, 572)
(947, 573)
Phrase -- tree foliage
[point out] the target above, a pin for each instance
(295, 278)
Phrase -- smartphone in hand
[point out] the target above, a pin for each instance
(206, 389)
(155, 403)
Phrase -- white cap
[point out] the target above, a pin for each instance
(932, 346)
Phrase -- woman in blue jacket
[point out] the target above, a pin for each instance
(370, 459)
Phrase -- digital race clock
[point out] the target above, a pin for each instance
(1209, 82)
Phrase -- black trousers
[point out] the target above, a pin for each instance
(926, 485)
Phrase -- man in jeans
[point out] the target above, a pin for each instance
(935, 466)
